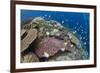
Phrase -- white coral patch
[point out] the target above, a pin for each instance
(46, 54)
(65, 43)
(63, 49)
(47, 33)
(70, 35)
(71, 45)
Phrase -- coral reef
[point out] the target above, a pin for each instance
(30, 57)
(49, 41)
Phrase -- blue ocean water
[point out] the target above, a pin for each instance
(78, 22)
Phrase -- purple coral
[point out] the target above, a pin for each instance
(49, 46)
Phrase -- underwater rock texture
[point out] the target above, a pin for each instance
(50, 46)
(50, 40)
(75, 54)
(30, 57)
